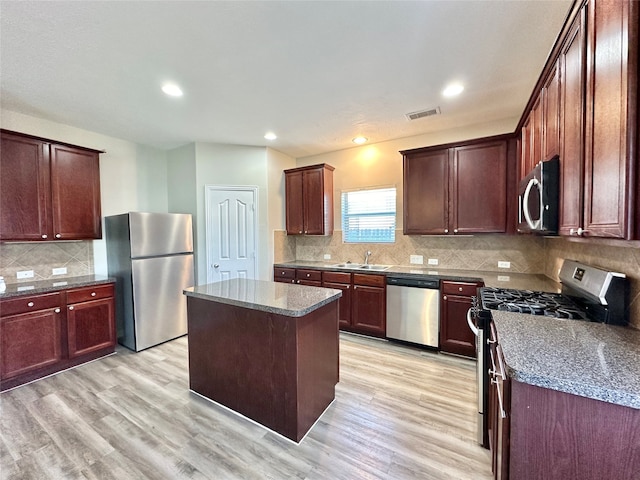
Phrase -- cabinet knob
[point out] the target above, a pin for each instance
(446, 230)
(581, 231)
(71, 307)
(459, 289)
(58, 235)
(444, 298)
(30, 304)
(57, 310)
(305, 231)
(93, 294)
(308, 275)
(44, 236)
(298, 281)
(300, 231)
(282, 273)
(455, 230)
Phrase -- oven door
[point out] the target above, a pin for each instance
(478, 324)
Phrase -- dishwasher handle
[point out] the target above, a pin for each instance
(416, 282)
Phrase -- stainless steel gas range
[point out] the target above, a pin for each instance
(588, 294)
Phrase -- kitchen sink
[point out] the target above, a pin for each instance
(361, 266)
(347, 265)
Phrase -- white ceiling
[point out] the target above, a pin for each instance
(315, 73)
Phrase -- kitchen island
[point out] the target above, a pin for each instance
(268, 351)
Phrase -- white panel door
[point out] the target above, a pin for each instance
(231, 232)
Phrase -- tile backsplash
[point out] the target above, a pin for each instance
(481, 252)
(42, 258)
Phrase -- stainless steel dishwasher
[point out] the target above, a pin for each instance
(413, 309)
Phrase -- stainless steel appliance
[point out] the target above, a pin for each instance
(588, 294)
(538, 198)
(151, 256)
(413, 309)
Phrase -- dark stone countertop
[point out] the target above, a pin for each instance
(53, 285)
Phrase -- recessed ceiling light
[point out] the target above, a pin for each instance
(359, 140)
(270, 136)
(172, 90)
(453, 90)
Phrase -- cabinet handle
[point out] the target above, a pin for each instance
(308, 275)
(446, 230)
(93, 294)
(459, 289)
(444, 298)
(58, 235)
(57, 310)
(581, 231)
(348, 287)
(44, 236)
(71, 307)
(298, 281)
(282, 273)
(30, 304)
(455, 230)
(300, 231)
(305, 232)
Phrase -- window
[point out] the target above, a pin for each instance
(369, 216)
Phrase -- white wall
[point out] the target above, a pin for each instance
(277, 162)
(128, 171)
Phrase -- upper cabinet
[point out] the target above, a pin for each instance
(458, 189)
(309, 200)
(589, 97)
(48, 190)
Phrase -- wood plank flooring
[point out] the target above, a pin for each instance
(400, 413)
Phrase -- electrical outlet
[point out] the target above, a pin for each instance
(59, 271)
(24, 274)
(327, 256)
(504, 264)
(416, 259)
(433, 261)
(504, 278)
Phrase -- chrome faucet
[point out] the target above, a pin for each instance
(366, 257)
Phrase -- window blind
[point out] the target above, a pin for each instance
(369, 216)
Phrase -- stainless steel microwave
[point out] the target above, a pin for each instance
(538, 198)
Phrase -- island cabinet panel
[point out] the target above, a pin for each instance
(309, 200)
(572, 67)
(277, 370)
(461, 189)
(558, 435)
(48, 191)
(455, 335)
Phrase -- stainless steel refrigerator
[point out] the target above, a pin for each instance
(151, 257)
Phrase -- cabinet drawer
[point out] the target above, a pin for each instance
(460, 288)
(288, 273)
(371, 280)
(29, 303)
(89, 293)
(336, 277)
(315, 275)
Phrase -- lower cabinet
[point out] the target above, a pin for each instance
(340, 281)
(369, 305)
(455, 335)
(43, 334)
(301, 276)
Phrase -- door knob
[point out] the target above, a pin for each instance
(215, 265)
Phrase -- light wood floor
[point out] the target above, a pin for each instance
(399, 413)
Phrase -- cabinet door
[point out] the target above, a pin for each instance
(24, 189)
(294, 201)
(536, 133)
(526, 159)
(479, 188)
(550, 114)
(369, 310)
(91, 326)
(571, 63)
(426, 192)
(345, 302)
(313, 201)
(75, 193)
(611, 129)
(455, 334)
(29, 342)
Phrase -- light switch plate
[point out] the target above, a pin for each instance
(59, 271)
(24, 274)
(433, 261)
(504, 264)
(416, 259)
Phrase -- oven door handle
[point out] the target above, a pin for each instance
(473, 328)
(525, 205)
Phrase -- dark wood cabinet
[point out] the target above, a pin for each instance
(459, 189)
(43, 334)
(312, 278)
(369, 304)
(340, 281)
(309, 200)
(455, 335)
(48, 191)
(90, 320)
(284, 275)
(550, 117)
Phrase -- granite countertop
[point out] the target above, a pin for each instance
(53, 285)
(286, 299)
(521, 281)
(592, 360)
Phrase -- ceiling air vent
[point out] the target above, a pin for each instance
(423, 113)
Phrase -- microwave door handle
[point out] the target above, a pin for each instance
(525, 204)
(473, 328)
(519, 209)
